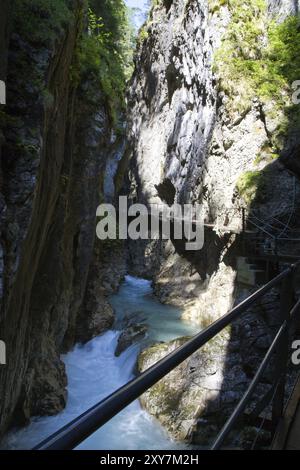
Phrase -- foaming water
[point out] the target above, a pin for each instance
(94, 373)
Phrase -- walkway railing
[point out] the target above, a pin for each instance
(86, 424)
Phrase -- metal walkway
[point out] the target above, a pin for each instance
(271, 236)
(82, 427)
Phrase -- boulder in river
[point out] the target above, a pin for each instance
(130, 336)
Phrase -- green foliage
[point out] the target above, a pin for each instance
(143, 34)
(155, 3)
(267, 154)
(254, 63)
(248, 185)
(240, 56)
(284, 49)
(106, 50)
(215, 5)
(40, 21)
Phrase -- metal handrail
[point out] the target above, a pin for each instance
(261, 228)
(264, 222)
(295, 309)
(87, 423)
(245, 399)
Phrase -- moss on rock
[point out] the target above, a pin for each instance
(259, 58)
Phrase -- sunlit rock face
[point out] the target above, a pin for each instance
(282, 8)
(173, 99)
(188, 142)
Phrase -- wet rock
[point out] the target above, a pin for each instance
(96, 322)
(130, 336)
(180, 399)
(55, 148)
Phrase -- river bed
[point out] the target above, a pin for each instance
(94, 372)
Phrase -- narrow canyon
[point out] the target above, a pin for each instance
(165, 102)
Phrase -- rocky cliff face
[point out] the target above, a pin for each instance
(4, 26)
(3, 71)
(199, 135)
(57, 136)
(187, 135)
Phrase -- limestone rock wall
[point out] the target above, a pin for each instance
(184, 137)
(188, 146)
(54, 284)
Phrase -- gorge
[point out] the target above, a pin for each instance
(204, 116)
(94, 372)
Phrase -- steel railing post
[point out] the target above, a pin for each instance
(244, 220)
(282, 352)
(88, 422)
